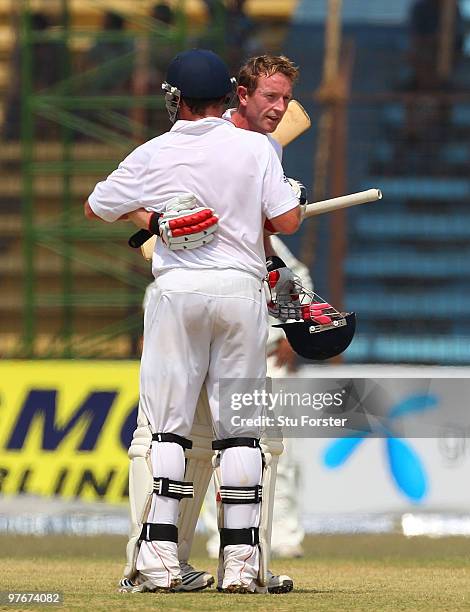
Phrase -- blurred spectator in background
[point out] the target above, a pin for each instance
(241, 36)
(425, 41)
(46, 70)
(215, 8)
(115, 78)
(428, 115)
(229, 26)
(163, 13)
(162, 48)
(111, 62)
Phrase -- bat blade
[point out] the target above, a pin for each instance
(294, 123)
(148, 247)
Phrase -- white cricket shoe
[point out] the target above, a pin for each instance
(279, 584)
(193, 579)
(276, 585)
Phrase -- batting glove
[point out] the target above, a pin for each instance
(300, 193)
(184, 224)
(285, 303)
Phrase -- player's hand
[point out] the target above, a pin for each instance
(283, 283)
(186, 224)
(285, 310)
(284, 355)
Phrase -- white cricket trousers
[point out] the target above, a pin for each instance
(201, 326)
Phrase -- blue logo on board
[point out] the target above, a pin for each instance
(406, 468)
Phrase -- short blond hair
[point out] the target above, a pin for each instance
(265, 65)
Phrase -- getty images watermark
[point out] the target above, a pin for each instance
(270, 403)
(330, 407)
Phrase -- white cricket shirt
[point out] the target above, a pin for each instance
(233, 171)
(274, 143)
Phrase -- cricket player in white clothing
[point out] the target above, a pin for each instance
(207, 320)
(265, 85)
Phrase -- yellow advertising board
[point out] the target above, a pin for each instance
(65, 427)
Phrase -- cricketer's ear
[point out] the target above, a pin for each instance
(242, 93)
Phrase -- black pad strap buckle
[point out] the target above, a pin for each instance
(241, 495)
(173, 488)
(171, 437)
(233, 442)
(230, 537)
(159, 531)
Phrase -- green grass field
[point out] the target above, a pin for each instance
(337, 573)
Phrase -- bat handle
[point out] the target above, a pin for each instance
(138, 239)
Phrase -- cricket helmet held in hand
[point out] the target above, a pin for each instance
(323, 331)
(319, 341)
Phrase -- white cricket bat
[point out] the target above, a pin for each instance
(148, 248)
(311, 210)
(294, 123)
(324, 206)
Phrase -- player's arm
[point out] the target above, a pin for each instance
(301, 195)
(282, 209)
(280, 203)
(122, 192)
(88, 211)
(139, 217)
(288, 222)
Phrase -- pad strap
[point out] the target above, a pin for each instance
(241, 495)
(159, 531)
(172, 488)
(171, 437)
(229, 537)
(233, 442)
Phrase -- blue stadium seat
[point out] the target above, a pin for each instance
(421, 188)
(460, 115)
(431, 348)
(412, 226)
(402, 263)
(455, 153)
(394, 115)
(428, 304)
(452, 153)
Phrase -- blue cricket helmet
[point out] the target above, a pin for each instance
(199, 74)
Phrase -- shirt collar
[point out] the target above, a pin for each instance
(200, 125)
